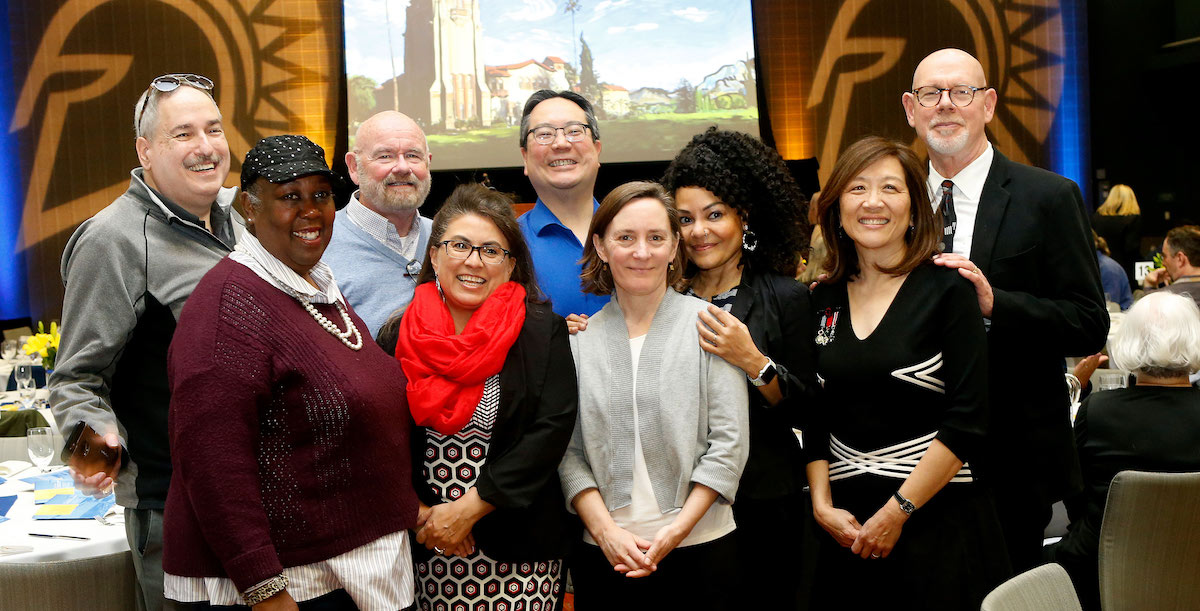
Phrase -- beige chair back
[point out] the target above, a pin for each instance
(103, 583)
(1150, 543)
(1045, 588)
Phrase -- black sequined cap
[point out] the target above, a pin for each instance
(281, 159)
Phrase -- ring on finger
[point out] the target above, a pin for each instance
(439, 550)
(875, 556)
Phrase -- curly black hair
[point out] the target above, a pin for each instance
(751, 178)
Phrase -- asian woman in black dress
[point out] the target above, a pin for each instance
(902, 351)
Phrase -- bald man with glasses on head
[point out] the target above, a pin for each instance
(1021, 236)
(127, 272)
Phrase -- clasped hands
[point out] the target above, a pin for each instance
(446, 528)
(875, 539)
(634, 556)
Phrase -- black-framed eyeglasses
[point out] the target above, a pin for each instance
(574, 132)
(488, 253)
(170, 82)
(960, 95)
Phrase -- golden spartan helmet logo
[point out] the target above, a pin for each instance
(1020, 46)
(254, 44)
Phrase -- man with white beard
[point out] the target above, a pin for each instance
(1020, 235)
(379, 240)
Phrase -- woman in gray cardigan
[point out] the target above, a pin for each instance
(660, 441)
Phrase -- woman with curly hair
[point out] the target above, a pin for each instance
(744, 225)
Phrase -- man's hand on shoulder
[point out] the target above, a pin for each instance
(970, 271)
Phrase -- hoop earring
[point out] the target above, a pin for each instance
(749, 240)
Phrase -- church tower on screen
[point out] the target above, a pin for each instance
(443, 84)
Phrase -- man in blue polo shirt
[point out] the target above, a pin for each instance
(560, 145)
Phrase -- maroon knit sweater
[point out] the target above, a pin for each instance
(287, 446)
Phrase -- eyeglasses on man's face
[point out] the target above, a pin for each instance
(545, 134)
(488, 253)
(960, 95)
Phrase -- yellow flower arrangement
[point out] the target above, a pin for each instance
(44, 344)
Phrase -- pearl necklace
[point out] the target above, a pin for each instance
(351, 330)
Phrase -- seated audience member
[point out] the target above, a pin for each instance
(661, 439)
(1118, 220)
(1151, 426)
(1112, 276)
(291, 466)
(1180, 272)
(492, 390)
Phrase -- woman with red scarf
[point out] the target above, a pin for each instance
(492, 382)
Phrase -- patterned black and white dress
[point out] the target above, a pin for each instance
(920, 375)
(477, 582)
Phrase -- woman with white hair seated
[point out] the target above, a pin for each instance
(1151, 426)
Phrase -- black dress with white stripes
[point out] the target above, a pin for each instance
(920, 375)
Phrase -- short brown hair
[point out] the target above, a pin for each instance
(597, 277)
(920, 244)
(1185, 239)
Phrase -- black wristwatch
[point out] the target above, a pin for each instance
(905, 505)
(765, 376)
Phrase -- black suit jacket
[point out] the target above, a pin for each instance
(777, 312)
(1033, 244)
(538, 401)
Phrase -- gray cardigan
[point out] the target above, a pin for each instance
(692, 410)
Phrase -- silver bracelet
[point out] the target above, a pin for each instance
(265, 590)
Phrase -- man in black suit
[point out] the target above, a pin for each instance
(1021, 236)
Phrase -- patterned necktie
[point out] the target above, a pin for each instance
(949, 220)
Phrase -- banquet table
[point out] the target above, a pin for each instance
(14, 533)
(100, 540)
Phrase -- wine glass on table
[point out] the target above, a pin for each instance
(25, 385)
(40, 448)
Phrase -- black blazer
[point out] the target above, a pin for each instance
(777, 312)
(538, 401)
(1033, 244)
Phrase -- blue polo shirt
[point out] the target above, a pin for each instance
(556, 253)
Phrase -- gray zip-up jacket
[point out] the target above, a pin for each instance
(127, 272)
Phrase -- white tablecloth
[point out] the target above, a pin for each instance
(102, 539)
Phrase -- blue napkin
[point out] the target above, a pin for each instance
(74, 507)
(6, 503)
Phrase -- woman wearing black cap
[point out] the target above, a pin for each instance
(291, 468)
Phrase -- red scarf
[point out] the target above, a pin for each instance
(446, 371)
